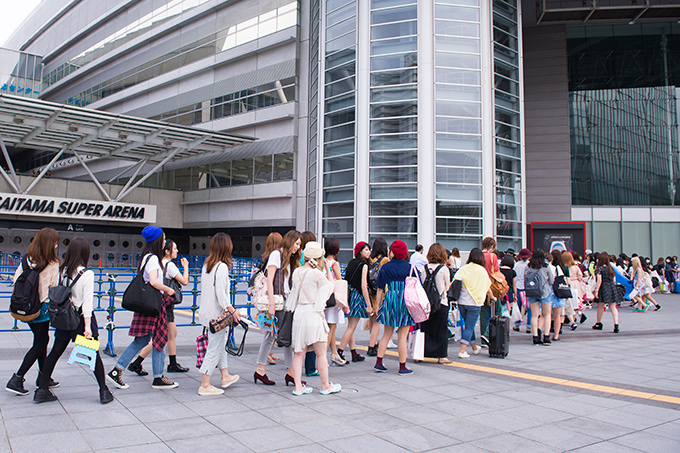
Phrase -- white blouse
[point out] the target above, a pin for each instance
(214, 293)
(316, 290)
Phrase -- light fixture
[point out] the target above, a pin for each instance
(123, 135)
(72, 127)
(167, 142)
(19, 119)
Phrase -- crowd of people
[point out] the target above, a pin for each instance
(546, 291)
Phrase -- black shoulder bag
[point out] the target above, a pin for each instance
(140, 297)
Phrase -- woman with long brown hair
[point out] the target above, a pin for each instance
(272, 243)
(41, 255)
(214, 302)
(435, 328)
(605, 291)
(74, 272)
(281, 264)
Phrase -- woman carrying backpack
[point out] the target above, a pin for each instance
(359, 301)
(42, 256)
(435, 328)
(538, 283)
(379, 256)
(74, 272)
(147, 328)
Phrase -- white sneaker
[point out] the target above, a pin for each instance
(392, 345)
(212, 390)
(476, 351)
(463, 355)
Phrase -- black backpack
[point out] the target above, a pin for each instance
(373, 271)
(25, 302)
(532, 283)
(63, 314)
(430, 287)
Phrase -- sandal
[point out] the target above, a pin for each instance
(337, 360)
(444, 360)
(271, 359)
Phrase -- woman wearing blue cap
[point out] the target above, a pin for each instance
(149, 328)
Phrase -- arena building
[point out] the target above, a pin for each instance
(424, 120)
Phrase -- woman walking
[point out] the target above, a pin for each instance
(334, 315)
(472, 286)
(540, 305)
(360, 306)
(575, 282)
(147, 328)
(393, 312)
(171, 273)
(74, 271)
(435, 328)
(605, 291)
(272, 243)
(42, 256)
(214, 302)
(311, 288)
(379, 256)
(647, 287)
(280, 266)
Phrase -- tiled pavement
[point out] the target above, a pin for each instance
(438, 408)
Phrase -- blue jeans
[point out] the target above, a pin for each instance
(157, 357)
(469, 314)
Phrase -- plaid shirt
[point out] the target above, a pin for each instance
(157, 326)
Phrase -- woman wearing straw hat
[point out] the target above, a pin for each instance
(311, 288)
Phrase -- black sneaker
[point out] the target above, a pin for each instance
(358, 358)
(485, 342)
(115, 376)
(546, 340)
(583, 318)
(16, 385)
(44, 396)
(177, 368)
(53, 384)
(537, 340)
(372, 351)
(658, 307)
(137, 368)
(515, 328)
(163, 383)
(105, 396)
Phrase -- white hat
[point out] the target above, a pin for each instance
(313, 250)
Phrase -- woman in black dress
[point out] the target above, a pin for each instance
(435, 328)
(605, 291)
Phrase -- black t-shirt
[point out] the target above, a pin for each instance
(510, 275)
(353, 273)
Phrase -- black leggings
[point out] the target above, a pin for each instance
(51, 361)
(39, 349)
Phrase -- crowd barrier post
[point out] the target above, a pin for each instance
(194, 294)
(111, 309)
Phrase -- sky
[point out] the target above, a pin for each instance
(13, 14)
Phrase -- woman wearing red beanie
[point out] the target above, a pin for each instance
(393, 312)
(360, 306)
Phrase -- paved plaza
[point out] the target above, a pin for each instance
(592, 391)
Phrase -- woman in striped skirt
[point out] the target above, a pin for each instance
(360, 306)
(393, 312)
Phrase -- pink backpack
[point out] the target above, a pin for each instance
(417, 303)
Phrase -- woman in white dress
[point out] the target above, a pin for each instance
(311, 288)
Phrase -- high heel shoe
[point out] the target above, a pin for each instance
(263, 378)
(289, 380)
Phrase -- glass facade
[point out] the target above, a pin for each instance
(339, 123)
(623, 98)
(313, 153)
(458, 118)
(20, 73)
(507, 123)
(393, 127)
(162, 56)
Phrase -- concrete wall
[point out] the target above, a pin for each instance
(169, 202)
(548, 165)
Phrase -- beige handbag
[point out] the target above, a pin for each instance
(340, 292)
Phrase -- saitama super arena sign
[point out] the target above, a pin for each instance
(69, 208)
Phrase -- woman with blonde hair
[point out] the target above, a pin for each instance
(312, 285)
(42, 256)
(643, 283)
(280, 266)
(214, 302)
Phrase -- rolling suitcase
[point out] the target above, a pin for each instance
(499, 336)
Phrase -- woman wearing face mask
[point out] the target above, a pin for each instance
(281, 264)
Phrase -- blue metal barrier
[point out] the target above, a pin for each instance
(109, 287)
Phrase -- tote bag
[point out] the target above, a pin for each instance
(140, 297)
(417, 303)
